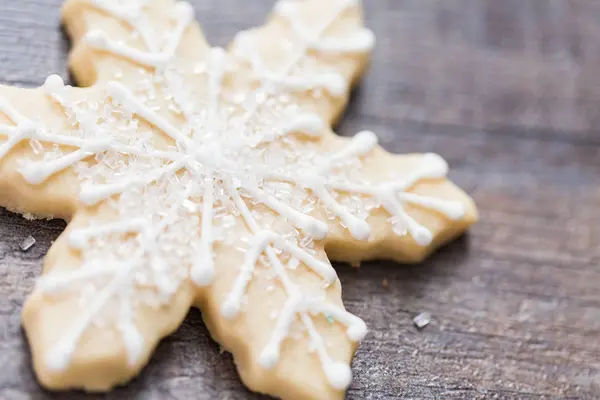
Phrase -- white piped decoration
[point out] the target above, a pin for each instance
(436, 166)
(203, 271)
(53, 84)
(269, 357)
(361, 42)
(421, 235)
(339, 375)
(97, 39)
(59, 356)
(33, 173)
(357, 331)
(308, 124)
(133, 340)
(185, 12)
(228, 167)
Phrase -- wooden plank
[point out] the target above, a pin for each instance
(507, 92)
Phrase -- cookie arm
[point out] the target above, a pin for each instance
(278, 309)
(87, 340)
(314, 49)
(94, 326)
(120, 41)
(26, 185)
(414, 207)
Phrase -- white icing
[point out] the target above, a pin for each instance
(24, 128)
(361, 144)
(128, 15)
(308, 124)
(308, 224)
(333, 82)
(174, 202)
(51, 284)
(53, 85)
(100, 41)
(203, 270)
(133, 339)
(122, 95)
(360, 42)
(91, 195)
(297, 304)
(359, 229)
(261, 241)
(60, 354)
(452, 210)
(79, 238)
(389, 194)
(15, 135)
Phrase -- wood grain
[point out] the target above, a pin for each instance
(507, 91)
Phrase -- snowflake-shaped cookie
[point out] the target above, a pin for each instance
(198, 176)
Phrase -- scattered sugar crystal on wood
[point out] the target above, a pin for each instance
(422, 320)
(27, 243)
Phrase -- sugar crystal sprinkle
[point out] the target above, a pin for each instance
(422, 320)
(27, 243)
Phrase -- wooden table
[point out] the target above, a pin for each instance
(508, 91)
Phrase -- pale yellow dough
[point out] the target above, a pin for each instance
(99, 362)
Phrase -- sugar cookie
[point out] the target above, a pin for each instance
(196, 176)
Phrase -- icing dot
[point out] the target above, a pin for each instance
(230, 309)
(335, 83)
(365, 141)
(422, 235)
(285, 8)
(243, 39)
(77, 240)
(360, 229)
(203, 271)
(33, 174)
(357, 331)
(134, 342)
(309, 124)
(338, 374)
(166, 285)
(185, 11)
(454, 210)
(96, 39)
(269, 357)
(59, 357)
(435, 165)
(365, 39)
(218, 53)
(53, 84)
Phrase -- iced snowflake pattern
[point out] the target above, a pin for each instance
(237, 158)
